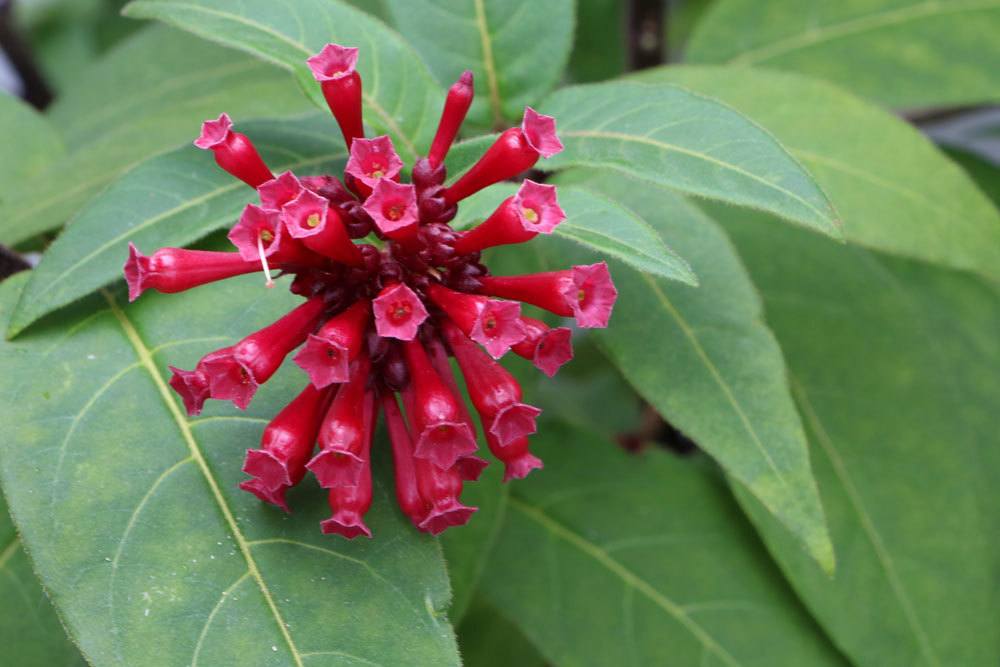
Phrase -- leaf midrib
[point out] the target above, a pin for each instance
(489, 63)
(834, 31)
(629, 578)
(145, 358)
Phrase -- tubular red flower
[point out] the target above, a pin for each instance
(280, 190)
(286, 445)
(469, 466)
(495, 393)
(517, 460)
(372, 160)
(310, 219)
(407, 493)
(399, 312)
(584, 292)
(235, 375)
(233, 151)
(532, 211)
(350, 503)
(441, 490)
(540, 132)
(456, 106)
(327, 354)
(547, 348)
(334, 68)
(443, 436)
(343, 435)
(496, 325)
(393, 207)
(172, 270)
(192, 387)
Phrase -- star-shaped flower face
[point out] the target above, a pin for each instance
(540, 131)
(333, 62)
(537, 207)
(214, 132)
(372, 160)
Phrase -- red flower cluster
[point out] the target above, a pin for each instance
(381, 318)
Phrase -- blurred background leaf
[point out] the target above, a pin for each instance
(895, 366)
(161, 90)
(517, 49)
(30, 631)
(31, 142)
(903, 53)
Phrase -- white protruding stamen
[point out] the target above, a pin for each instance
(263, 262)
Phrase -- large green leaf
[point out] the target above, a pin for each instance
(31, 145)
(138, 531)
(707, 362)
(895, 190)
(401, 99)
(516, 49)
(896, 369)
(169, 200)
(162, 84)
(487, 639)
(688, 142)
(614, 559)
(904, 53)
(599, 22)
(597, 223)
(30, 632)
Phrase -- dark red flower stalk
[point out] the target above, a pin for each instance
(496, 325)
(532, 211)
(343, 435)
(233, 151)
(381, 318)
(334, 68)
(514, 151)
(546, 347)
(583, 292)
(493, 390)
(350, 503)
(442, 435)
(328, 353)
(456, 106)
(286, 445)
(172, 270)
(234, 375)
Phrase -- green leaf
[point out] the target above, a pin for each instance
(163, 84)
(401, 99)
(599, 22)
(487, 639)
(31, 145)
(516, 49)
(896, 369)
(608, 558)
(895, 190)
(170, 200)
(29, 628)
(597, 223)
(903, 53)
(138, 531)
(688, 142)
(706, 361)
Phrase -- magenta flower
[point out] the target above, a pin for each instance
(390, 292)
(372, 160)
(233, 151)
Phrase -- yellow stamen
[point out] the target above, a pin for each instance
(313, 220)
(530, 214)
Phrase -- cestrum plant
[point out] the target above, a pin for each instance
(391, 291)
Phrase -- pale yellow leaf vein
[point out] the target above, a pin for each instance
(489, 64)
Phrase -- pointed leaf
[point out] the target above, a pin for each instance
(163, 84)
(170, 200)
(401, 99)
(904, 53)
(516, 49)
(688, 142)
(706, 361)
(608, 558)
(896, 369)
(895, 190)
(132, 514)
